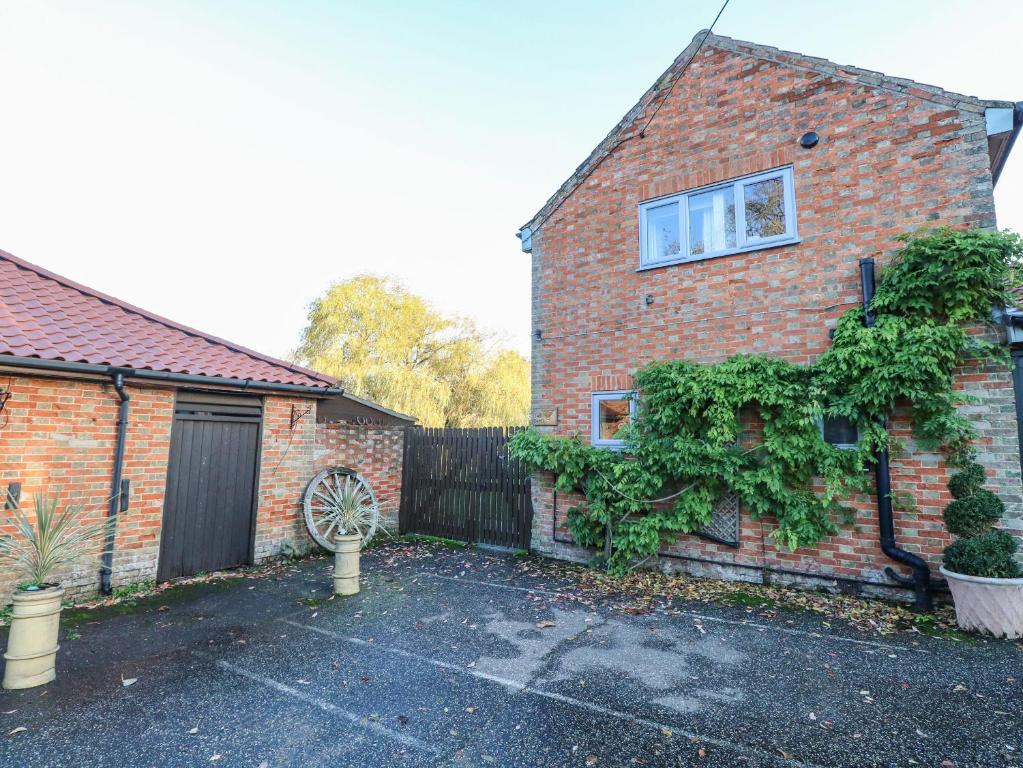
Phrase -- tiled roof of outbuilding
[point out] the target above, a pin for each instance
(46, 316)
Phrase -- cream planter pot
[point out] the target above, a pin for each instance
(32, 643)
(987, 605)
(346, 564)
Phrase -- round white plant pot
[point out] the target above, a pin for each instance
(346, 564)
(987, 605)
(32, 643)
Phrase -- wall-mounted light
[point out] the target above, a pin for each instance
(809, 140)
(649, 299)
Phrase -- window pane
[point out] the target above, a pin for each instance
(765, 208)
(840, 431)
(712, 221)
(662, 232)
(612, 415)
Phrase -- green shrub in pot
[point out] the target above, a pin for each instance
(981, 566)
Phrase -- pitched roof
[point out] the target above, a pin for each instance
(630, 126)
(46, 316)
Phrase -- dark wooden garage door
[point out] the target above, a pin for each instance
(209, 508)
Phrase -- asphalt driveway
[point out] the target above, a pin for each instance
(461, 658)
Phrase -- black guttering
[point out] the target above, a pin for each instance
(921, 579)
(118, 375)
(166, 376)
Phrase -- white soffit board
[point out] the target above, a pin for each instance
(998, 120)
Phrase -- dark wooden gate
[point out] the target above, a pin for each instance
(462, 484)
(210, 502)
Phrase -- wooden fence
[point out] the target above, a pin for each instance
(462, 484)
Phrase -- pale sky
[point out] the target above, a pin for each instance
(221, 163)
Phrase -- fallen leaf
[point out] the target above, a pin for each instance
(470, 710)
(215, 758)
(126, 681)
(19, 729)
(195, 730)
(701, 752)
(592, 760)
(543, 625)
(666, 732)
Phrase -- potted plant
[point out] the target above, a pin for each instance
(56, 538)
(351, 514)
(981, 567)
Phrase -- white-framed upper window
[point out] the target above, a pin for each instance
(610, 411)
(739, 215)
(840, 432)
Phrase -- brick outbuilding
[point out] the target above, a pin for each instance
(727, 213)
(219, 441)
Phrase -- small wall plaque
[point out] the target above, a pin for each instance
(545, 417)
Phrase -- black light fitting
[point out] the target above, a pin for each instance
(809, 140)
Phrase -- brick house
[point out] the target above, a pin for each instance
(219, 441)
(726, 213)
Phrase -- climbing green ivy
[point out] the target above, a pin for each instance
(687, 448)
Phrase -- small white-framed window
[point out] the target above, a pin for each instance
(840, 432)
(739, 215)
(610, 412)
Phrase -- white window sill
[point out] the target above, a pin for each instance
(612, 446)
(732, 252)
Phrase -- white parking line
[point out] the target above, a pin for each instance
(327, 706)
(527, 689)
(702, 617)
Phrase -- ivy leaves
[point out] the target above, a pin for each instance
(950, 276)
(751, 424)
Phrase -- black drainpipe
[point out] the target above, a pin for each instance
(118, 375)
(921, 578)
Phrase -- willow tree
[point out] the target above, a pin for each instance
(393, 347)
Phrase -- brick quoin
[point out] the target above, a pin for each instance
(890, 160)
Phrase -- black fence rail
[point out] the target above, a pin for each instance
(462, 484)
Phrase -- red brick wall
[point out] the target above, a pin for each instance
(375, 452)
(286, 467)
(60, 436)
(887, 163)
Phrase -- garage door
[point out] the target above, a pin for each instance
(210, 503)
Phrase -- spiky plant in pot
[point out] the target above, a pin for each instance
(981, 566)
(352, 516)
(52, 538)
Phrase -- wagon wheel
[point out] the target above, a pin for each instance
(338, 493)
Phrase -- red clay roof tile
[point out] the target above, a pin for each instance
(49, 317)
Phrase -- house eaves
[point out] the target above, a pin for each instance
(629, 127)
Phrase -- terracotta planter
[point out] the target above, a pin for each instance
(32, 643)
(346, 564)
(987, 605)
